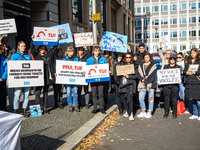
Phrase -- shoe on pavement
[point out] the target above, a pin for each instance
(103, 111)
(131, 118)
(76, 109)
(71, 108)
(193, 117)
(141, 115)
(126, 114)
(198, 118)
(148, 115)
(87, 106)
(186, 112)
(95, 111)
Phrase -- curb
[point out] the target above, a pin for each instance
(75, 139)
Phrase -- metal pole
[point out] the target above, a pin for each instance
(94, 22)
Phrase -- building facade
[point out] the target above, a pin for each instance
(177, 21)
(116, 16)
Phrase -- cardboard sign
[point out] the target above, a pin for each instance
(45, 36)
(25, 74)
(82, 39)
(35, 110)
(122, 69)
(64, 33)
(70, 72)
(194, 67)
(114, 42)
(96, 17)
(97, 73)
(7, 26)
(169, 76)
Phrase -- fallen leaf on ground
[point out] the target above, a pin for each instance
(141, 139)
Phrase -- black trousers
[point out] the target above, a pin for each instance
(3, 95)
(128, 100)
(106, 89)
(170, 94)
(45, 95)
(118, 98)
(85, 87)
(98, 91)
(57, 88)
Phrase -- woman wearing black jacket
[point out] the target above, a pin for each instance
(47, 56)
(171, 90)
(83, 54)
(192, 82)
(128, 88)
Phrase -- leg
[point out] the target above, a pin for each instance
(101, 95)
(118, 99)
(87, 98)
(37, 95)
(174, 95)
(69, 94)
(75, 95)
(94, 95)
(194, 105)
(151, 100)
(55, 89)
(167, 92)
(125, 102)
(142, 94)
(45, 96)
(198, 107)
(26, 97)
(106, 88)
(3, 95)
(17, 95)
(79, 95)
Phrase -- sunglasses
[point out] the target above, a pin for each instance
(179, 57)
(128, 57)
(172, 59)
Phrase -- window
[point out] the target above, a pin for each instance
(155, 21)
(173, 20)
(199, 4)
(164, 21)
(146, 22)
(113, 20)
(77, 10)
(146, 35)
(192, 20)
(183, 34)
(164, 33)
(138, 10)
(173, 34)
(174, 47)
(192, 33)
(183, 20)
(192, 5)
(155, 8)
(199, 19)
(182, 7)
(147, 9)
(199, 32)
(138, 23)
(164, 7)
(155, 35)
(124, 24)
(173, 7)
(182, 47)
(138, 36)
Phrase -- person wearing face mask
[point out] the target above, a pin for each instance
(147, 76)
(21, 55)
(171, 90)
(192, 82)
(3, 77)
(47, 56)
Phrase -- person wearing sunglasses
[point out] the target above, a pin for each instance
(181, 62)
(147, 83)
(164, 59)
(171, 90)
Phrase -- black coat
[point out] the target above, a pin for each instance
(192, 83)
(139, 58)
(87, 55)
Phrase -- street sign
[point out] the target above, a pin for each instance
(96, 17)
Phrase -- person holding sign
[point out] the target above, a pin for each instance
(192, 81)
(147, 83)
(71, 88)
(128, 88)
(21, 55)
(83, 54)
(97, 87)
(171, 90)
(42, 53)
(3, 77)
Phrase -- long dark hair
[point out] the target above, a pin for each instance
(125, 62)
(151, 58)
(189, 58)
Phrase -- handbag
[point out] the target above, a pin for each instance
(180, 108)
(124, 82)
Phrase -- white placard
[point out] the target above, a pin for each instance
(45, 36)
(25, 74)
(165, 40)
(82, 39)
(7, 26)
(193, 67)
(169, 76)
(69, 72)
(97, 73)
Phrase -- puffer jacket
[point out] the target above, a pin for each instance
(3, 67)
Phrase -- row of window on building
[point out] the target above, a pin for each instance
(164, 8)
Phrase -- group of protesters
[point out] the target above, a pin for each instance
(128, 88)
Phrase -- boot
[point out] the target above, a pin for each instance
(60, 106)
(25, 113)
(166, 114)
(45, 111)
(15, 111)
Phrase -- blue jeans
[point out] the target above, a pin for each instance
(17, 95)
(10, 93)
(196, 107)
(142, 94)
(182, 90)
(72, 89)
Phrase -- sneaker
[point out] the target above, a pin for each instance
(193, 117)
(95, 111)
(186, 112)
(131, 118)
(148, 115)
(126, 114)
(141, 115)
(198, 118)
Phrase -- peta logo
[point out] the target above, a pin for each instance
(72, 80)
(26, 82)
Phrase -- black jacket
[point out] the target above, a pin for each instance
(87, 55)
(139, 58)
(192, 83)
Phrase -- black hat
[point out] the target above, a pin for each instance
(172, 56)
(142, 44)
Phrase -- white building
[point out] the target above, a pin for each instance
(176, 19)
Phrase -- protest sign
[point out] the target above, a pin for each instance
(64, 33)
(45, 36)
(83, 39)
(97, 73)
(193, 67)
(128, 69)
(35, 110)
(70, 72)
(114, 42)
(169, 76)
(7, 26)
(165, 40)
(25, 74)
